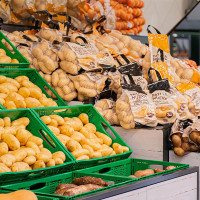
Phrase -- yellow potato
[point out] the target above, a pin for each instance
(63, 139)
(21, 121)
(87, 134)
(46, 151)
(51, 163)
(41, 146)
(20, 104)
(58, 118)
(84, 118)
(58, 161)
(10, 105)
(117, 148)
(53, 123)
(66, 130)
(39, 164)
(3, 79)
(59, 154)
(3, 148)
(77, 136)
(106, 140)
(113, 153)
(10, 130)
(35, 93)
(73, 145)
(42, 156)
(7, 121)
(20, 166)
(91, 128)
(54, 130)
(19, 154)
(29, 151)
(96, 154)
(22, 136)
(33, 146)
(95, 145)
(4, 168)
(125, 149)
(1, 122)
(80, 152)
(84, 157)
(36, 140)
(7, 159)
(32, 102)
(46, 119)
(30, 160)
(23, 91)
(106, 152)
(19, 79)
(12, 142)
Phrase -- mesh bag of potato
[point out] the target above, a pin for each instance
(166, 108)
(20, 150)
(45, 57)
(63, 85)
(88, 84)
(191, 92)
(75, 57)
(26, 52)
(22, 93)
(4, 11)
(81, 138)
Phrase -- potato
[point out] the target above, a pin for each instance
(58, 161)
(3, 148)
(24, 92)
(106, 152)
(35, 93)
(176, 140)
(21, 121)
(194, 135)
(19, 79)
(33, 146)
(46, 151)
(87, 134)
(95, 145)
(170, 167)
(59, 154)
(51, 163)
(9, 130)
(84, 118)
(58, 118)
(76, 123)
(80, 152)
(36, 140)
(63, 139)
(39, 164)
(20, 166)
(1, 122)
(29, 151)
(97, 140)
(77, 136)
(46, 119)
(66, 130)
(185, 146)
(106, 140)
(125, 149)
(32, 102)
(53, 123)
(10, 105)
(193, 148)
(42, 156)
(89, 148)
(96, 154)
(91, 128)
(7, 121)
(19, 154)
(179, 151)
(84, 157)
(8, 159)
(22, 136)
(113, 153)
(4, 168)
(54, 130)
(117, 148)
(73, 145)
(12, 142)
(30, 160)
(142, 173)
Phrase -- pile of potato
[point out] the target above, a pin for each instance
(6, 59)
(20, 92)
(20, 150)
(81, 137)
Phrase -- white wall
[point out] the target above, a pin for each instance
(164, 14)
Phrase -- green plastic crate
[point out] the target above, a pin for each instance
(97, 120)
(35, 78)
(39, 130)
(23, 62)
(129, 166)
(47, 186)
(39, 196)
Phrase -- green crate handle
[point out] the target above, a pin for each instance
(9, 53)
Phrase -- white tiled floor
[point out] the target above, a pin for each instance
(164, 14)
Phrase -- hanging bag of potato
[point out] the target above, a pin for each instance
(160, 56)
(106, 105)
(131, 71)
(166, 108)
(191, 92)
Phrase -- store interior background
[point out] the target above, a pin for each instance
(184, 32)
